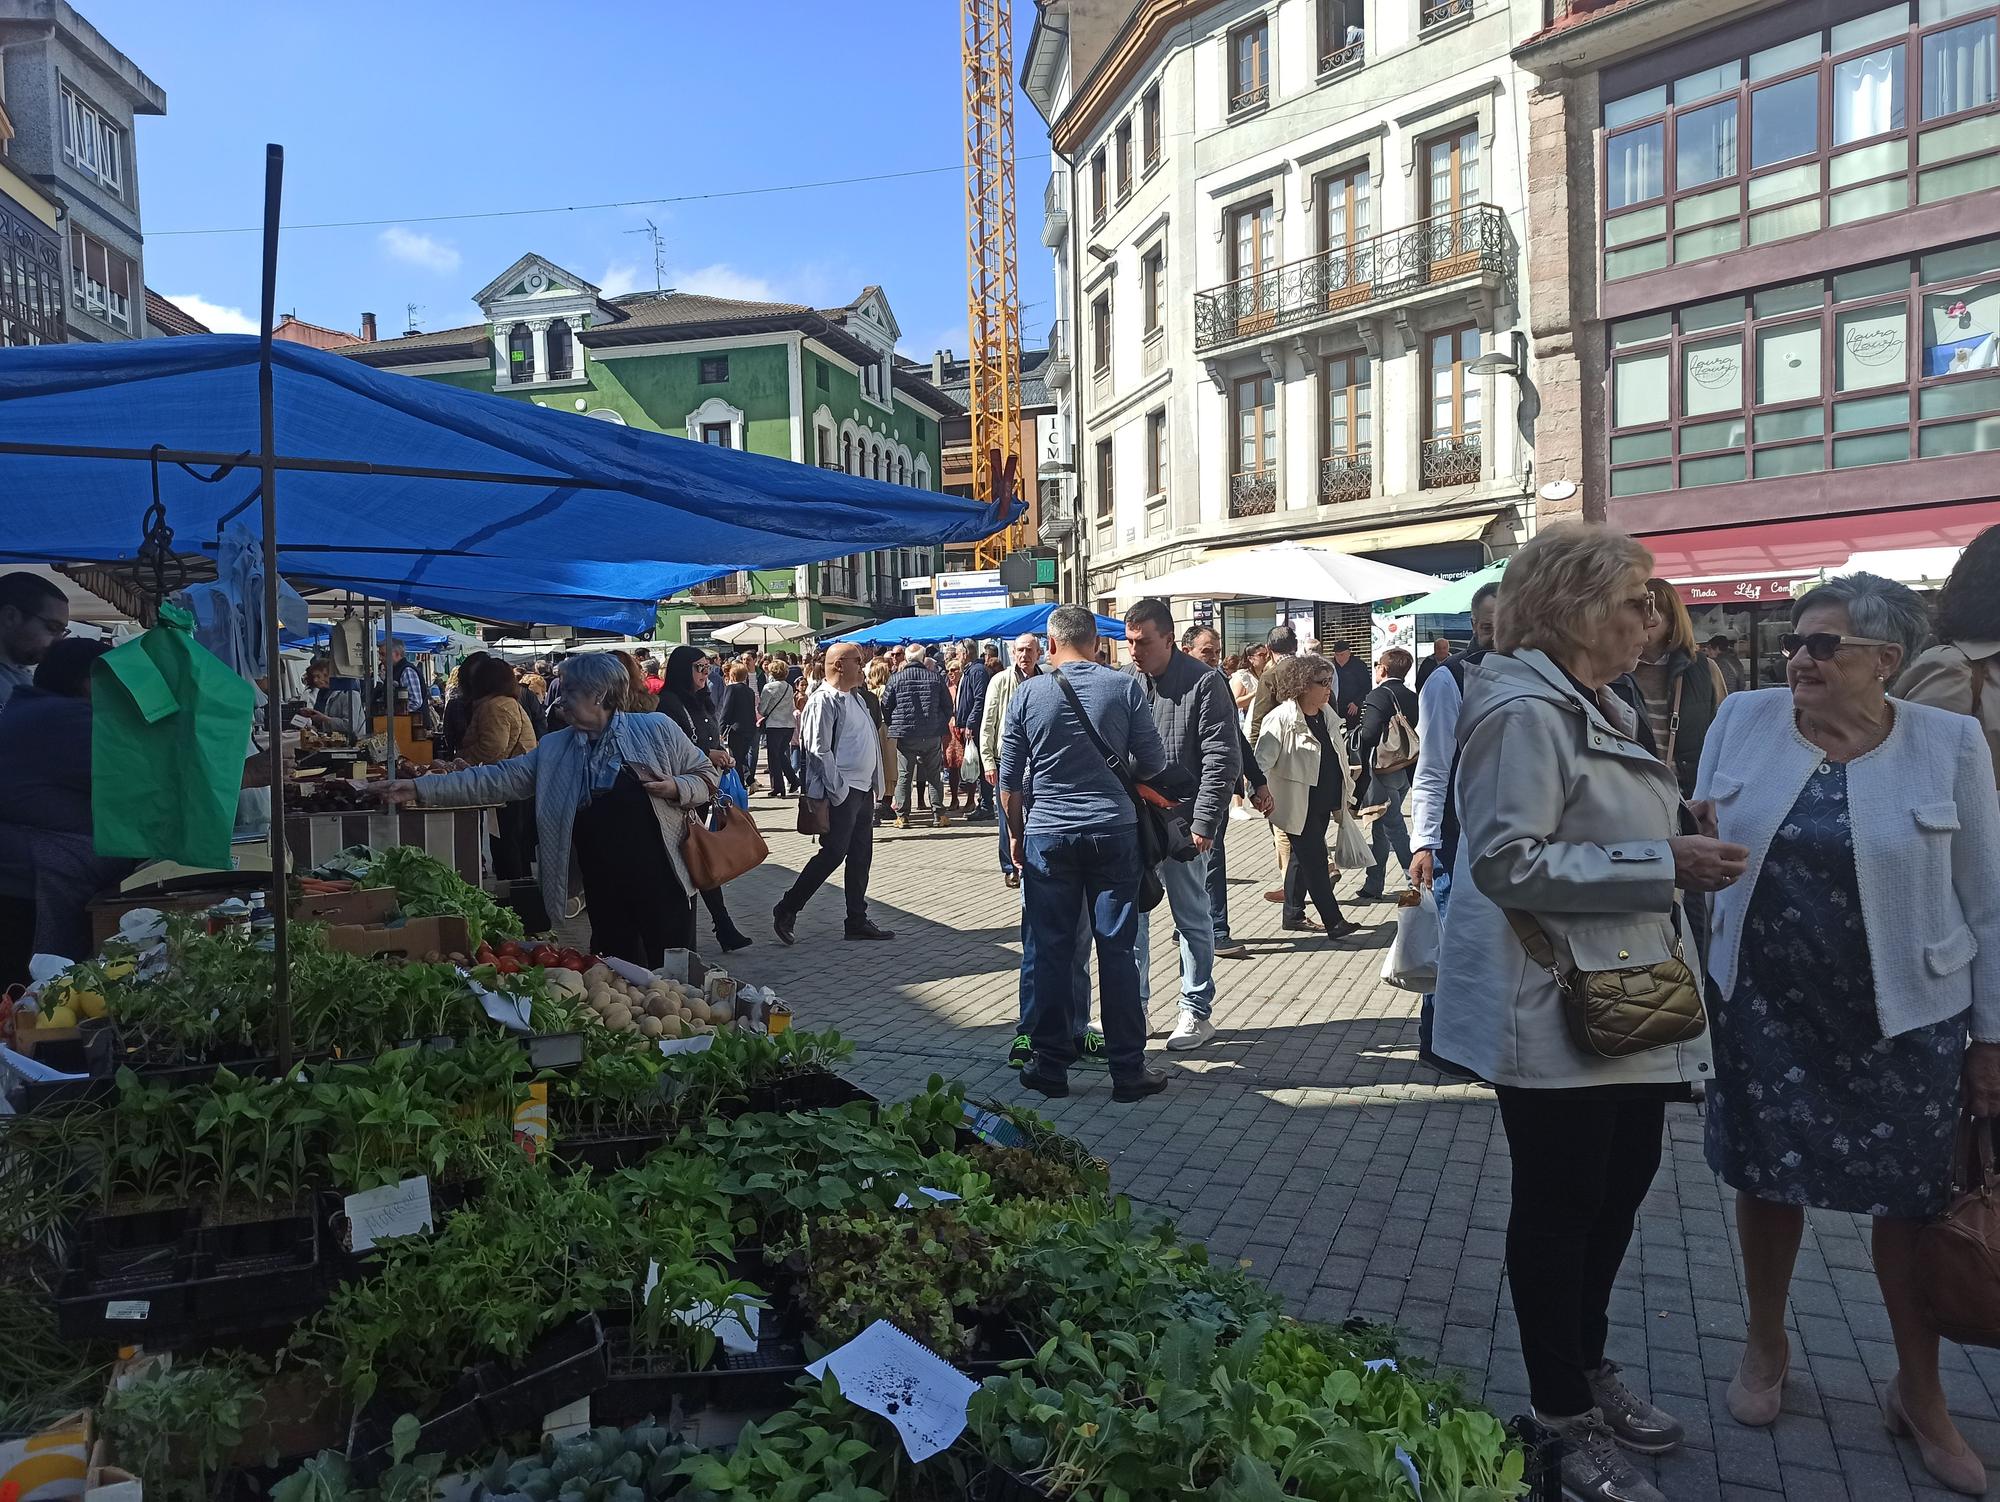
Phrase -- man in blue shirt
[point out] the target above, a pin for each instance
(1075, 839)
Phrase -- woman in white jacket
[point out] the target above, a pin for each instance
(1305, 758)
(1846, 971)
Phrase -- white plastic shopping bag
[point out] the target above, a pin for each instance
(1412, 961)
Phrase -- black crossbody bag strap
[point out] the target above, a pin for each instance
(1111, 758)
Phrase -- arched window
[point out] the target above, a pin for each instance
(520, 355)
(562, 351)
(847, 452)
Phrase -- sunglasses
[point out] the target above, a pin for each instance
(1822, 645)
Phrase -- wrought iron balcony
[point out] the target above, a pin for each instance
(1395, 263)
(1347, 477)
(1055, 210)
(1249, 99)
(1338, 52)
(1437, 12)
(1451, 461)
(1253, 492)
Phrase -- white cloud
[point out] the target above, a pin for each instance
(220, 319)
(416, 249)
(619, 278)
(723, 280)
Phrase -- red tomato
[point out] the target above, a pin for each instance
(507, 965)
(484, 954)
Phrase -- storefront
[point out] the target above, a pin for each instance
(1739, 582)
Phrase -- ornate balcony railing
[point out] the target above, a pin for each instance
(1445, 248)
(1451, 461)
(1437, 12)
(1340, 52)
(1253, 492)
(1249, 99)
(1055, 210)
(1346, 477)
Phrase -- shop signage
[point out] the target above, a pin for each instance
(980, 591)
(1736, 591)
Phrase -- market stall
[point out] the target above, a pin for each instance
(970, 625)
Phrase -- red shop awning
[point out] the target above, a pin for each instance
(1803, 546)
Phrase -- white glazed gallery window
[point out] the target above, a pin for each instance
(91, 143)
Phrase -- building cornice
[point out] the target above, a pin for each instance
(1149, 24)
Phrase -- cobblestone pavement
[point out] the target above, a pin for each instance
(1308, 1140)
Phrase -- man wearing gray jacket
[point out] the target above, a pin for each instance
(1195, 714)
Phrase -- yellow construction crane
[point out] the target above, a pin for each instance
(993, 293)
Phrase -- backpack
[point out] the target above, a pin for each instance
(1398, 747)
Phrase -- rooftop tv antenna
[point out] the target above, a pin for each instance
(410, 312)
(652, 231)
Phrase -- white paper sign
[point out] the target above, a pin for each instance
(700, 1043)
(1381, 1364)
(508, 1011)
(568, 1421)
(887, 1372)
(393, 1210)
(903, 1201)
(32, 1070)
(737, 1331)
(128, 1309)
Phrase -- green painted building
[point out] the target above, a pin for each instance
(820, 386)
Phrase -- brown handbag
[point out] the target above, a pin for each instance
(1958, 1254)
(722, 854)
(1614, 1014)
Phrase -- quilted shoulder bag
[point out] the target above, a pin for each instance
(1614, 1014)
(1958, 1254)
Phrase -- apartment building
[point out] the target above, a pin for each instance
(1288, 236)
(72, 98)
(1765, 286)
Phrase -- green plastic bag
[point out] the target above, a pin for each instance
(169, 734)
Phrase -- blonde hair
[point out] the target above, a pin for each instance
(1680, 628)
(739, 672)
(1561, 589)
(878, 674)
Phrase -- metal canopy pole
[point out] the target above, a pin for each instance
(278, 896)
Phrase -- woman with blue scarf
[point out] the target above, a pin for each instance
(613, 793)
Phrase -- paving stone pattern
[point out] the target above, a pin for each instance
(1308, 1140)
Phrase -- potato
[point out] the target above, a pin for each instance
(618, 1017)
(656, 1006)
(650, 1026)
(671, 1026)
(598, 973)
(684, 1014)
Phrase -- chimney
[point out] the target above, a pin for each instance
(368, 328)
(939, 359)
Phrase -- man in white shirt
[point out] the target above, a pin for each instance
(842, 759)
(1430, 790)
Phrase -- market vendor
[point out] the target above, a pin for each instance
(333, 703)
(47, 857)
(594, 783)
(34, 614)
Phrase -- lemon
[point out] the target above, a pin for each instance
(119, 969)
(62, 1016)
(87, 1003)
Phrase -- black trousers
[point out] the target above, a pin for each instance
(850, 839)
(1306, 869)
(778, 759)
(743, 746)
(1582, 1163)
(638, 908)
(513, 840)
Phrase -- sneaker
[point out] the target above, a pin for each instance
(1633, 1422)
(1090, 1047)
(1231, 949)
(1593, 1468)
(1044, 1081)
(1190, 1032)
(1021, 1052)
(940, 819)
(1146, 1082)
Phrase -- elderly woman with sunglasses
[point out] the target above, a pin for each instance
(1846, 971)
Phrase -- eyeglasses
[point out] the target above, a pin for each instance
(1821, 645)
(1322, 683)
(57, 629)
(1646, 605)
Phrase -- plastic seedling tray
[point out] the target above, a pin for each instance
(811, 1090)
(1544, 1448)
(455, 1428)
(638, 1384)
(999, 1484)
(252, 1275)
(608, 1154)
(556, 1051)
(571, 1362)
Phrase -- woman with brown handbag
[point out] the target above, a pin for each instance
(687, 702)
(1845, 975)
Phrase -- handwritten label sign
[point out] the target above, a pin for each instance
(885, 1371)
(128, 1309)
(376, 1215)
(701, 1043)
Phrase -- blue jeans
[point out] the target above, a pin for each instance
(1390, 830)
(1218, 883)
(1079, 971)
(1426, 1020)
(1064, 871)
(1006, 839)
(1187, 897)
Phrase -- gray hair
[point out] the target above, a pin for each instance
(595, 678)
(1876, 607)
(1073, 626)
(1293, 675)
(913, 653)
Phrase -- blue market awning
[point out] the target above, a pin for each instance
(416, 491)
(414, 632)
(970, 625)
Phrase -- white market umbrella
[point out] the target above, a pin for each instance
(1293, 571)
(761, 631)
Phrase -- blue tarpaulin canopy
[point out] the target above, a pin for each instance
(970, 625)
(414, 633)
(414, 491)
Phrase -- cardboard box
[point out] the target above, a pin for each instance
(369, 907)
(412, 941)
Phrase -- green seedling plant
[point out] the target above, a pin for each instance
(605, 1465)
(176, 1427)
(428, 888)
(928, 1271)
(664, 1322)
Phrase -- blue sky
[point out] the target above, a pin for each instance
(403, 112)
